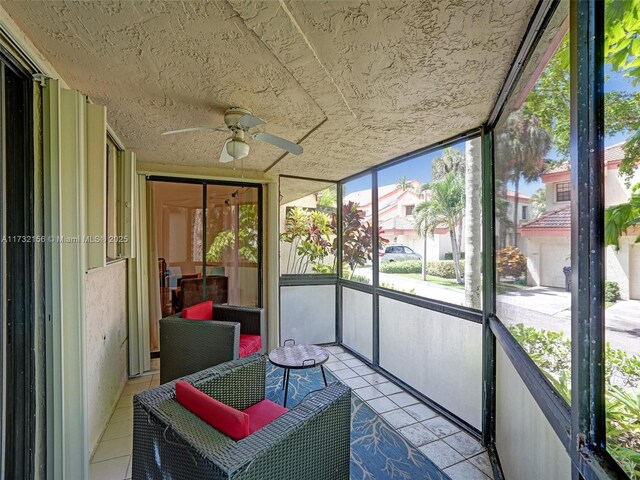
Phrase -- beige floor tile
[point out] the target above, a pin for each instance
(420, 412)
(367, 393)
(345, 373)
(465, 471)
(123, 413)
(382, 404)
(464, 444)
(129, 474)
(334, 366)
(120, 429)
(125, 401)
(440, 426)
(140, 379)
(108, 449)
(375, 378)
(113, 469)
(441, 454)
(363, 370)
(483, 463)
(398, 418)
(388, 388)
(344, 356)
(355, 382)
(131, 389)
(418, 434)
(403, 399)
(335, 349)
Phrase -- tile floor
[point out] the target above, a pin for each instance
(461, 456)
(112, 458)
(458, 454)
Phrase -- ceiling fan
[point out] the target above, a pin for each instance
(239, 121)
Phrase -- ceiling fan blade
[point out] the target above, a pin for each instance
(196, 129)
(224, 155)
(279, 142)
(248, 121)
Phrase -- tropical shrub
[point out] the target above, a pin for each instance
(439, 268)
(406, 266)
(357, 237)
(449, 256)
(443, 268)
(510, 262)
(611, 291)
(358, 278)
(310, 234)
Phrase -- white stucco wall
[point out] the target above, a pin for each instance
(618, 263)
(106, 348)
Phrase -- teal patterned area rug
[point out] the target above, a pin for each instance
(378, 452)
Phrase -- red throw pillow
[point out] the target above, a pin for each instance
(262, 413)
(199, 311)
(249, 344)
(228, 420)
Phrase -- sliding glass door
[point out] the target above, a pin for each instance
(207, 242)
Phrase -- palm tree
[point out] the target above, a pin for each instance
(472, 224)
(420, 223)
(451, 160)
(522, 145)
(404, 184)
(538, 202)
(444, 208)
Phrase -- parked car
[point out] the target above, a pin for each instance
(397, 253)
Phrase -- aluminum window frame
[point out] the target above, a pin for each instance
(580, 427)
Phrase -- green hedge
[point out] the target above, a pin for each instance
(440, 268)
(611, 291)
(407, 266)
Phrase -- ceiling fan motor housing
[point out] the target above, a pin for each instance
(233, 115)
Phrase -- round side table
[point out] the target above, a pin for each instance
(298, 357)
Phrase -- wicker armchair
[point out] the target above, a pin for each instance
(188, 346)
(310, 441)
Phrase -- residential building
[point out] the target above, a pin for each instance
(546, 240)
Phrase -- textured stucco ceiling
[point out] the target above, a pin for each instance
(357, 82)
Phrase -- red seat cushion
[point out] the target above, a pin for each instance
(249, 344)
(199, 311)
(262, 413)
(228, 420)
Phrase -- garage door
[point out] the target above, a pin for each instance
(552, 258)
(634, 272)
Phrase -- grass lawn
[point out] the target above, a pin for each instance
(446, 282)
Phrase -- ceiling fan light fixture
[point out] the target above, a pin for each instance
(237, 149)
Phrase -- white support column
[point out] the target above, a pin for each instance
(65, 196)
(272, 264)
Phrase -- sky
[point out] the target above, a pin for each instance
(419, 168)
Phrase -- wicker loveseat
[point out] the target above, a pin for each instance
(309, 442)
(188, 346)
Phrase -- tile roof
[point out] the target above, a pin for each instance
(612, 153)
(557, 167)
(560, 218)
